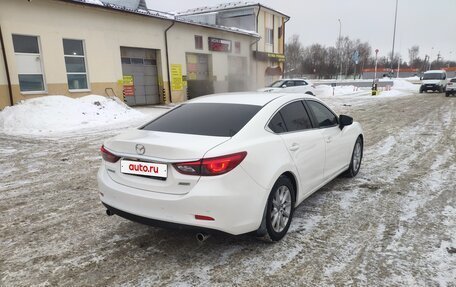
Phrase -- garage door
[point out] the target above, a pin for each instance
(199, 79)
(140, 65)
(237, 74)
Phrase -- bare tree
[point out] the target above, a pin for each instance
(325, 62)
(413, 54)
(365, 52)
(293, 56)
(331, 62)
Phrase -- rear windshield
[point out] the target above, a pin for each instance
(208, 119)
(433, 76)
(453, 80)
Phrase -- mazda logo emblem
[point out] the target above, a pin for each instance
(140, 149)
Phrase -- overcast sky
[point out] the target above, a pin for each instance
(431, 24)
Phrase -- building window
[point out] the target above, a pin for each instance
(237, 47)
(269, 36)
(75, 63)
(29, 66)
(198, 42)
(269, 33)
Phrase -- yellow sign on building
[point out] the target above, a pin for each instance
(176, 77)
(128, 80)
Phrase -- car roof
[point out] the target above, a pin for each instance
(247, 98)
(293, 79)
(435, 71)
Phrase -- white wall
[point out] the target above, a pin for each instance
(103, 32)
(181, 39)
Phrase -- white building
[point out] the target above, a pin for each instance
(76, 47)
(269, 24)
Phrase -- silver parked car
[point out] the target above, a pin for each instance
(450, 87)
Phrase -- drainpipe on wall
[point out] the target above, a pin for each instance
(256, 42)
(6, 68)
(284, 47)
(167, 61)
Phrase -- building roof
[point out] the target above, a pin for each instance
(157, 14)
(225, 6)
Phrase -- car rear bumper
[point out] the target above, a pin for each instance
(430, 87)
(234, 200)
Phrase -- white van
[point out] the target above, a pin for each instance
(434, 80)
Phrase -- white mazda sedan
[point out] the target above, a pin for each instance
(234, 163)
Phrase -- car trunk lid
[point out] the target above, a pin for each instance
(160, 148)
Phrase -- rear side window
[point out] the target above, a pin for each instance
(277, 124)
(290, 83)
(453, 80)
(208, 119)
(295, 117)
(324, 117)
(292, 117)
(300, 83)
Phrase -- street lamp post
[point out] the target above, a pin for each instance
(340, 48)
(375, 70)
(394, 37)
(430, 61)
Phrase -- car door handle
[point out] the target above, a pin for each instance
(294, 147)
(328, 139)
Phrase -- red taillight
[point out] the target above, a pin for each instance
(107, 156)
(221, 164)
(203, 217)
(211, 166)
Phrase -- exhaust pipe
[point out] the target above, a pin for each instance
(109, 212)
(201, 237)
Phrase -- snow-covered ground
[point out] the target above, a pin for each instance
(57, 116)
(392, 225)
(350, 95)
(60, 115)
(400, 87)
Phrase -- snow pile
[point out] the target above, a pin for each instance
(56, 114)
(404, 85)
(339, 91)
(400, 87)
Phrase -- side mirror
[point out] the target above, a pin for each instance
(421, 78)
(284, 86)
(345, 121)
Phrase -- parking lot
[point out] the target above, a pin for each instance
(394, 224)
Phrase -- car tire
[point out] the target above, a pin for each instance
(447, 94)
(421, 90)
(280, 202)
(356, 159)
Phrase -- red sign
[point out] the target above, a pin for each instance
(219, 45)
(128, 91)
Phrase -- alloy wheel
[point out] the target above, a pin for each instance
(281, 208)
(357, 156)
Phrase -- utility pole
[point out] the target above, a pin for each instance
(394, 36)
(340, 48)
